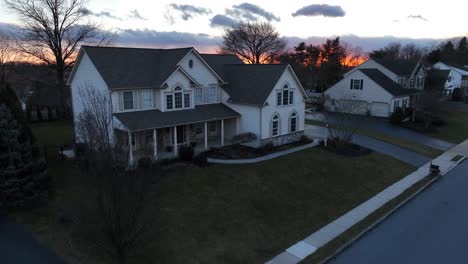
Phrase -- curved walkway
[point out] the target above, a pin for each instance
(264, 158)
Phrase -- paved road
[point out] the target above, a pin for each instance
(383, 126)
(402, 154)
(431, 229)
(17, 246)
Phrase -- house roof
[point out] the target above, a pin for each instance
(399, 67)
(252, 83)
(386, 83)
(218, 61)
(456, 65)
(134, 67)
(150, 119)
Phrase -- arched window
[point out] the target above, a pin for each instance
(178, 99)
(285, 96)
(293, 122)
(275, 125)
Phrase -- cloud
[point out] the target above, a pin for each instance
(320, 10)
(136, 15)
(420, 17)
(251, 9)
(189, 11)
(223, 21)
(165, 39)
(105, 14)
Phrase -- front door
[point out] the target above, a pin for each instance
(180, 135)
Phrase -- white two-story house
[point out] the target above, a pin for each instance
(457, 77)
(163, 99)
(377, 87)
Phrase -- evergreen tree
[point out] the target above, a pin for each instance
(23, 175)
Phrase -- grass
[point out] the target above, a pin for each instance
(424, 150)
(225, 213)
(456, 129)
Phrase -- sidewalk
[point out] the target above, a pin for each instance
(310, 244)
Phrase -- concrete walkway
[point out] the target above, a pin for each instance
(310, 244)
(266, 157)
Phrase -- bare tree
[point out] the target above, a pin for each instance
(52, 30)
(255, 43)
(428, 103)
(94, 126)
(7, 54)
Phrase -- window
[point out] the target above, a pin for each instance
(198, 129)
(147, 99)
(420, 82)
(198, 95)
(178, 98)
(396, 104)
(186, 100)
(411, 83)
(293, 123)
(404, 103)
(275, 126)
(190, 64)
(285, 97)
(212, 94)
(127, 100)
(212, 127)
(356, 84)
(449, 79)
(169, 102)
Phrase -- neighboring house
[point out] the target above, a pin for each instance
(368, 91)
(377, 87)
(457, 78)
(163, 99)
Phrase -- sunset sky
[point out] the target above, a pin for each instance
(370, 24)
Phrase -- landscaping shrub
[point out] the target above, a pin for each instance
(409, 112)
(244, 137)
(397, 116)
(186, 153)
(304, 139)
(457, 95)
(201, 160)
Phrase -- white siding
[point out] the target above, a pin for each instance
(285, 111)
(370, 93)
(249, 119)
(86, 75)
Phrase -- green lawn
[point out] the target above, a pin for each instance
(456, 129)
(424, 150)
(226, 214)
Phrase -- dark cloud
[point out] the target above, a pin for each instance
(189, 11)
(420, 17)
(136, 15)
(320, 10)
(105, 14)
(223, 21)
(162, 39)
(249, 10)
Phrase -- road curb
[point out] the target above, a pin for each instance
(388, 214)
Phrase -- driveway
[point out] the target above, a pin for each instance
(402, 154)
(383, 126)
(432, 228)
(20, 247)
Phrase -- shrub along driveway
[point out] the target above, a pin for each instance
(383, 126)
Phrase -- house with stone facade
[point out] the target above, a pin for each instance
(163, 99)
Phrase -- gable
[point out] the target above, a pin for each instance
(198, 68)
(373, 64)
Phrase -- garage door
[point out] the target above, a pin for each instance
(351, 106)
(379, 109)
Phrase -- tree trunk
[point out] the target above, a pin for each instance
(61, 86)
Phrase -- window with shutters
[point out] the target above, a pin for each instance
(169, 102)
(127, 100)
(356, 84)
(147, 99)
(198, 95)
(186, 100)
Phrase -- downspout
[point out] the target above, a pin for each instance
(261, 123)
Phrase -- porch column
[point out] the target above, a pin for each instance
(155, 143)
(206, 135)
(222, 132)
(130, 147)
(175, 140)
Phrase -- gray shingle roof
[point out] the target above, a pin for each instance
(134, 67)
(251, 83)
(390, 86)
(150, 119)
(399, 67)
(217, 62)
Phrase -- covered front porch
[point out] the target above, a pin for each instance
(160, 135)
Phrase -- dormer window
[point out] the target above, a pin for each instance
(285, 96)
(190, 64)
